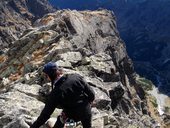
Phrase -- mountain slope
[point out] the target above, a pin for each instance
(144, 26)
(86, 43)
(18, 15)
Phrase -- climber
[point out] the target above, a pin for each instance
(70, 93)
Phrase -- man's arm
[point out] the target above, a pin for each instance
(50, 106)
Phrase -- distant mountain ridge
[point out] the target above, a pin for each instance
(144, 25)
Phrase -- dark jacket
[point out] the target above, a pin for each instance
(71, 92)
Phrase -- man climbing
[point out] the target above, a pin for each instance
(70, 93)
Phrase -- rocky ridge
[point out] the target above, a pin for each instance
(17, 16)
(86, 43)
(144, 26)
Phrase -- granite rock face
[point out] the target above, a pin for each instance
(17, 16)
(85, 42)
(144, 26)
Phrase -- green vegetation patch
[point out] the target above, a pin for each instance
(167, 109)
(154, 101)
(146, 84)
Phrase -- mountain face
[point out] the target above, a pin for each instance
(146, 32)
(84, 42)
(18, 15)
(144, 26)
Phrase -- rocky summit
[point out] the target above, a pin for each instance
(17, 16)
(144, 26)
(87, 43)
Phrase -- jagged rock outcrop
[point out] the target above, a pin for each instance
(17, 16)
(144, 26)
(86, 43)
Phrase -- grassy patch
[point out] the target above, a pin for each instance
(154, 101)
(167, 109)
(146, 84)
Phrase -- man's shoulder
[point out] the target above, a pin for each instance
(74, 75)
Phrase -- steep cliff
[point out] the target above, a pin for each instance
(144, 26)
(18, 15)
(86, 43)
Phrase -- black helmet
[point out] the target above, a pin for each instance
(50, 69)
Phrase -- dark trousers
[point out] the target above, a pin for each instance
(82, 114)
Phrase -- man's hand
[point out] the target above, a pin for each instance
(29, 120)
